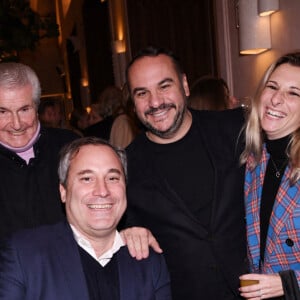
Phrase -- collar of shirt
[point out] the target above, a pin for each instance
(105, 258)
(27, 151)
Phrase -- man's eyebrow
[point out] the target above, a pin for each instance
(85, 171)
(114, 170)
(165, 80)
(88, 171)
(295, 88)
(138, 89)
(25, 106)
(20, 108)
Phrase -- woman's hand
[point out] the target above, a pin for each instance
(269, 286)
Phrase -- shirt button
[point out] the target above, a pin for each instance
(289, 242)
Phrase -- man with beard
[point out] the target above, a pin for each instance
(185, 185)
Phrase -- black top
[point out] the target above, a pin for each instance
(276, 164)
(183, 165)
(102, 282)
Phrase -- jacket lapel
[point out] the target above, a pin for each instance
(69, 258)
(253, 191)
(284, 205)
(286, 200)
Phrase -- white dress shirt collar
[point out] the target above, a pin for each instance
(105, 258)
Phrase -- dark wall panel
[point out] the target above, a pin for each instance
(98, 46)
(186, 27)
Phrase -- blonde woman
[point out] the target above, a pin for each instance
(272, 183)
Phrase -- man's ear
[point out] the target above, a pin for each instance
(62, 191)
(185, 85)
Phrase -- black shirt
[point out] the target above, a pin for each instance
(191, 161)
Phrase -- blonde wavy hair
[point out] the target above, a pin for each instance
(254, 135)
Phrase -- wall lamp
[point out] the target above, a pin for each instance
(254, 30)
(267, 7)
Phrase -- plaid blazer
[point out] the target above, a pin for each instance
(283, 240)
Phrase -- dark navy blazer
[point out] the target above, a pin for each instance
(44, 263)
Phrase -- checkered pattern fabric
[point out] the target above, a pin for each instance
(283, 241)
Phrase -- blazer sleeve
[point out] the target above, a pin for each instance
(161, 279)
(146, 279)
(11, 278)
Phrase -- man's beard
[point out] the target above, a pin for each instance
(177, 122)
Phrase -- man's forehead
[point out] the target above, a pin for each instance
(153, 69)
(16, 98)
(96, 154)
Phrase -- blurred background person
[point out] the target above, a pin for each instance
(94, 114)
(210, 93)
(108, 104)
(79, 120)
(50, 113)
(126, 125)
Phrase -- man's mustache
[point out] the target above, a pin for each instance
(153, 110)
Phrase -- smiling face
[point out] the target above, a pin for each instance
(160, 97)
(18, 116)
(279, 106)
(95, 195)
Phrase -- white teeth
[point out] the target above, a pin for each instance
(159, 113)
(100, 206)
(275, 114)
(17, 133)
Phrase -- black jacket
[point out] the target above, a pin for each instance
(196, 256)
(29, 194)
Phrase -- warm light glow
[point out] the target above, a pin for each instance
(120, 46)
(253, 51)
(120, 32)
(84, 82)
(34, 5)
(118, 19)
(66, 5)
(88, 109)
(267, 13)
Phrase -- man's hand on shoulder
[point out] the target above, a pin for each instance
(138, 240)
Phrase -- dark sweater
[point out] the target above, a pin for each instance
(102, 282)
(29, 194)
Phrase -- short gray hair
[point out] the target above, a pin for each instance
(70, 150)
(15, 75)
